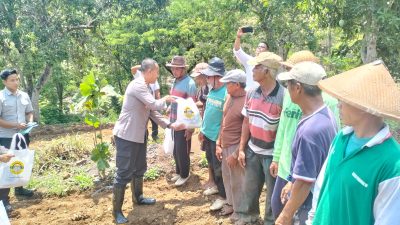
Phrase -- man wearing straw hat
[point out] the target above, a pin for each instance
(314, 134)
(261, 111)
(183, 87)
(361, 182)
(290, 117)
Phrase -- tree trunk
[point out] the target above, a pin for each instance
(36, 91)
(368, 51)
(60, 95)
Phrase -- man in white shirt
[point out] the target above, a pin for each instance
(243, 57)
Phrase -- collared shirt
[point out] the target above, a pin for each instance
(184, 87)
(139, 104)
(263, 113)
(13, 108)
(362, 188)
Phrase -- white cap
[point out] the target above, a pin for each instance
(305, 72)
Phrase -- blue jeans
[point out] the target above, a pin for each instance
(256, 174)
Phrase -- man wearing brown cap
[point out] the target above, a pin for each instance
(262, 110)
(314, 134)
(290, 117)
(361, 182)
(183, 87)
(243, 58)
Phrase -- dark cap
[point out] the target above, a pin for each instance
(216, 67)
(7, 72)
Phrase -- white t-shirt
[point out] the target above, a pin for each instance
(243, 57)
(154, 87)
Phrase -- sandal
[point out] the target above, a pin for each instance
(226, 210)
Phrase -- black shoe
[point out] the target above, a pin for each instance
(20, 191)
(137, 193)
(118, 200)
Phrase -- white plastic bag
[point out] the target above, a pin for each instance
(18, 170)
(168, 144)
(3, 215)
(188, 113)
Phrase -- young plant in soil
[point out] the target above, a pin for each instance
(95, 94)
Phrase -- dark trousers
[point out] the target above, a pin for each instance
(276, 203)
(181, 153)
(130, 160)
(215, 165)
(154, 129)
(6, 142)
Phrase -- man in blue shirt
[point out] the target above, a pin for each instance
(312, 139)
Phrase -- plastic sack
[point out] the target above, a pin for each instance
(18, 170)
(188, 113)
(168, 144)
(3, 215)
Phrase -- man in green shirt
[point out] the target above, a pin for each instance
(361, 182)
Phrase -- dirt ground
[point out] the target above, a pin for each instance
(183, 205)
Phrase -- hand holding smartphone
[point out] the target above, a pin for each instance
(247, 29)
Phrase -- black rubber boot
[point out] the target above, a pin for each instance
(137, 192)
(118, 200)
(20, 191)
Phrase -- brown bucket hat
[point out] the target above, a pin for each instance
(177, 61)
(300, 56)
(370, 88)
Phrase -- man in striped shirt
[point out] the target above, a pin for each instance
(261, 112)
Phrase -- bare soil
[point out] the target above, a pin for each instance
(183, 205)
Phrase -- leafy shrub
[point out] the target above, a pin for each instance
(50, 114)
(152, 173)
(203, 161)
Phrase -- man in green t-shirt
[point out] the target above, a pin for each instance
(361, 182)
(211, 125)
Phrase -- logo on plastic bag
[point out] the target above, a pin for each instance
(188, 112)
(17, 167)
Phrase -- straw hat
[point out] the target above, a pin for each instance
(199, 67)
(300, 56)
(369, 87)
(177, 61)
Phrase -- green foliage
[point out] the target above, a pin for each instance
(83, 180)
(101, 155)
(95, 93)
(51, 115)
(203, 161)
(152, 173)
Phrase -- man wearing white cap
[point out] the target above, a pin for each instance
(290, 117)
(262, 110)
(312, 139)
(361, 182)
(229, 138)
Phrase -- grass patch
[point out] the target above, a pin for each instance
(153, 173)
(203, 163)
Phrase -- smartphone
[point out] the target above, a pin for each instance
(247, 29)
